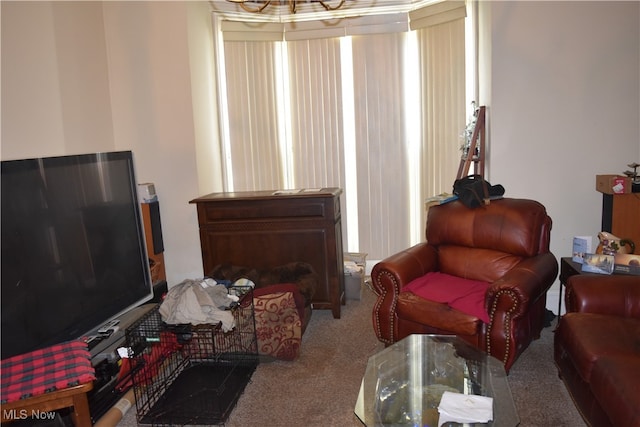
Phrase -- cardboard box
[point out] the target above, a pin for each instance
(147, 192)
(613, 184)
(357, 257)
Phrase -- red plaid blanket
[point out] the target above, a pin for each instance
(45, 370)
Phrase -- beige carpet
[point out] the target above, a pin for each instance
(321, 386)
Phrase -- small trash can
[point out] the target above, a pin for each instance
(354, 267)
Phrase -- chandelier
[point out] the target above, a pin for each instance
(257, 6)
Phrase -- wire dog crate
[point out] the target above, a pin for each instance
(186, 374)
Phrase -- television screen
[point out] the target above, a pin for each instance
(73, 247)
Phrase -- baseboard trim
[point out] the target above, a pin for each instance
(553, 296)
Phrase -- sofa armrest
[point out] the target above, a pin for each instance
(604, 294)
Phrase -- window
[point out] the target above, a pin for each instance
(374, 106)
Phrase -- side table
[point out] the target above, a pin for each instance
(568, 268)
(73, 397)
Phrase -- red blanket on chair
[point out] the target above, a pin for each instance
(49, 369)
(464, 295)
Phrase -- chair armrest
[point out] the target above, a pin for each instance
(603, 294)
(509, 301)
(389, 276)
(396, 271)
(522, 286)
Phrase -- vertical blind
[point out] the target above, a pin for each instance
(316, 119)
(254, 158)
(381, 142)
(377, 114)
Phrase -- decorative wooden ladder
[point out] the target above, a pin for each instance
(475, 153)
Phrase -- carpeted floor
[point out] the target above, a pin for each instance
(321, 386)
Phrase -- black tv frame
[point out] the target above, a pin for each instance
(73, 247)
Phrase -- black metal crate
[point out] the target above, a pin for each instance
(191, 375)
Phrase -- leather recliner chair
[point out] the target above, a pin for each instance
(504, 244)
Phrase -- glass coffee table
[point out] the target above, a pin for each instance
(403, 384)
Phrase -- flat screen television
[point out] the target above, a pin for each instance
(73, 247)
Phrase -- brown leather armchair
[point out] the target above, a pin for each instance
(505, 244)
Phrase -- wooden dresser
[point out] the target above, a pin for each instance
(265, 229)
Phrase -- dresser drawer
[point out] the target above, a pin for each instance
(263, 210)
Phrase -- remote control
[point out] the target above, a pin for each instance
(109, 328)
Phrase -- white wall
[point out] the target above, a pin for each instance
(562, 99)
(153, 114)
(55, 83)
(83, 77)
(564, 105)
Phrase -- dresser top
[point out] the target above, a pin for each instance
(269, 194)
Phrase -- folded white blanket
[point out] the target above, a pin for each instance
(465, 408)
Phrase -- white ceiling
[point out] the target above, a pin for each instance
(279, 11)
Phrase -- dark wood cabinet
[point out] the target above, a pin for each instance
(621, 216)
(264, 229)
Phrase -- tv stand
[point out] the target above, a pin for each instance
(107, 346)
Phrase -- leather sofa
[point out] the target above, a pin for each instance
(504, 244)
(597, 348)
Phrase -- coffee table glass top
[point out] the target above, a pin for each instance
(403, 384)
